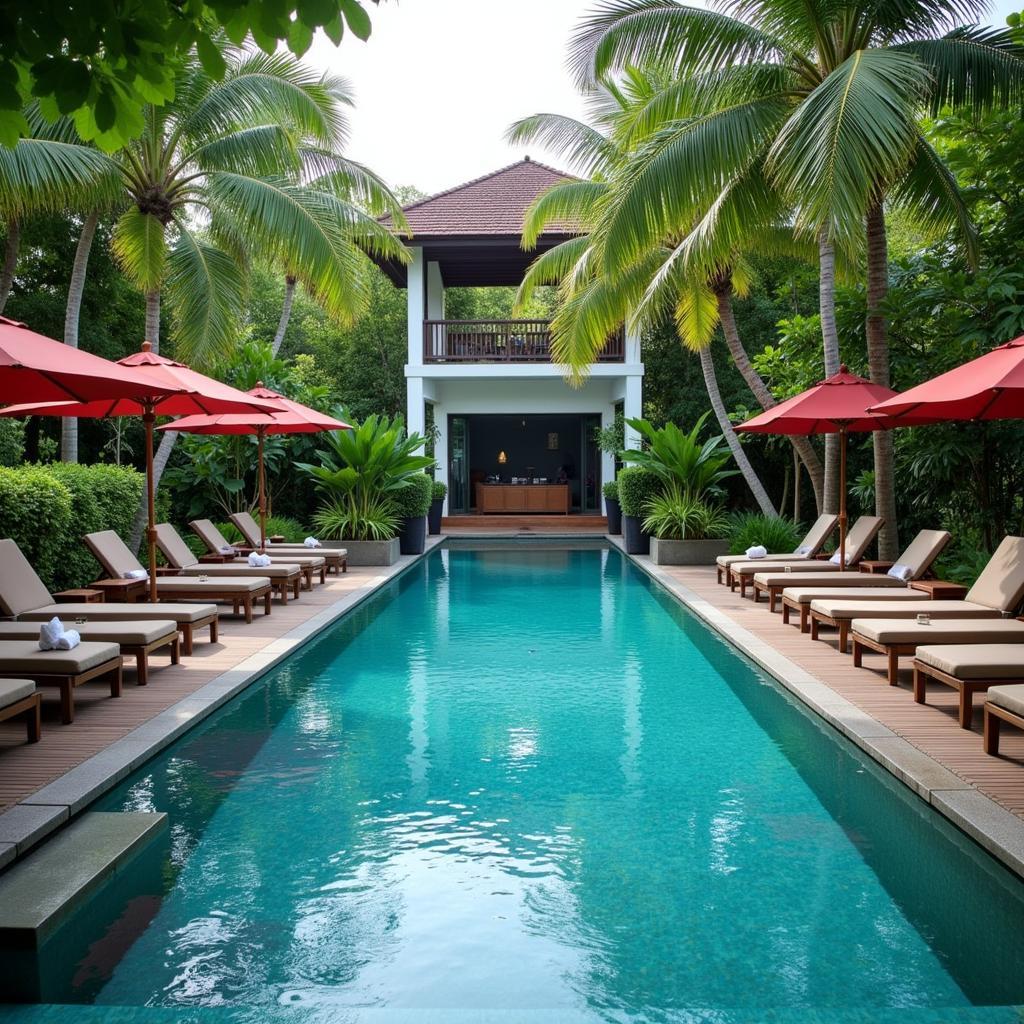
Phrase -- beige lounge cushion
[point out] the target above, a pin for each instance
(1009, 697)
(851, 608)
(860, 536)
(174, 549)
(727, 560)
(750, 568)
(282, 558)
(182, 614)
(942, 631)
(975, 661)
(112, 553)
(13, 690)
(25, 656)
(803, 568)
(218, 570)
(114, 631)
(234, 584)
(207, 532)
(215, 540)
(283, 550)
(20, 587)
(922, 551)
(799, 578)
(247, 526)
(1001, 583)
(805, 595)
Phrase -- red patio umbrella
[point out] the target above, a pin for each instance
(837, 405)
(34, 368)
(990, 387)
(168, 388)
(290, 418)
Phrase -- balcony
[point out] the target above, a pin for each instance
(500, 341)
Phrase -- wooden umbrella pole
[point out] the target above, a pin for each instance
(842, 498)
(261, 433)
(148, 419)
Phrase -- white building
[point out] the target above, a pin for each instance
(501, 409)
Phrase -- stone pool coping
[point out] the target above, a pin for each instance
(24, 825)
(993, 827)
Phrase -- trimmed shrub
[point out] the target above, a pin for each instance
(439, 491)
(36, 513)
(748, 529)
(611, 490)
(414, 498)
(636, 488)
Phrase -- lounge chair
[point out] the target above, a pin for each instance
(242, 591)
(811, 544)
(336, 558)
(63, 669)
(23, 596)
(137, 639)
(798, 589)
(18, 698)
(861, 534)
(1004, 704)
(969, 669)
(179, 555)
(216, 543)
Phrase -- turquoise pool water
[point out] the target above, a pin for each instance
(529, 784)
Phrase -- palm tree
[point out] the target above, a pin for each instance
(216, 179)
(829, 98)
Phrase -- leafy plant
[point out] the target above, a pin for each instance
(748, 529)
(611, 439)
(686, 467)
(360, 472)
(637, 486)
(669, 517)
(439, 491)
(12, 442)
(610, 490)
(414, 498)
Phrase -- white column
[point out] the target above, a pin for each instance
(435, 291)
(415, 411)
(441, 447)
(632, 346)
(607, 458)
(633, 407)
(416, 298)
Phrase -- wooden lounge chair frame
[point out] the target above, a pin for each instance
(141, 653)
(67, 683)
(966, 688)
(333, 560)
(807, 541)
(892, 652)
(994, 718)
(31, 708)
(222, 559)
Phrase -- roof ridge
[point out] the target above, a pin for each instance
(484, 177)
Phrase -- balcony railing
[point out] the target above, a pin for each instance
(500, 341)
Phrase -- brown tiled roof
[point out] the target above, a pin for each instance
(492, 205)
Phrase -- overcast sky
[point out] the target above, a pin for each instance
(439, 82)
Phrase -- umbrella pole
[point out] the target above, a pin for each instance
(148, 419)
(842, 498)
(261, 433)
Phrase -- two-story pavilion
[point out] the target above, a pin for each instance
(502, 410)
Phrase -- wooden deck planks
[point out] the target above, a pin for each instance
(932, 728)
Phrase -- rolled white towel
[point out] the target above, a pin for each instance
(258, 561)
(68, 640)
(312, 542)
(50, 633)
(757, 551)
(135, 574)
(226, 549)
(901, 572)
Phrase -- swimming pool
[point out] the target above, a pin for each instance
(529, 782)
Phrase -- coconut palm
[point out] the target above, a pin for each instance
(828, 98)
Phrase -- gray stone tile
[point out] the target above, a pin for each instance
(995, 828)
(8, 851)
(23, 826)
(914, 767)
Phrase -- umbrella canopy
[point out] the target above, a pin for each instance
(290, 418)
(990, 387)
(168, 388)
(35, 368)
(840, 404)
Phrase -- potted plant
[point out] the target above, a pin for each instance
(686, 531)
(412, 503)
(360, 472)
(637, 486)
(612, 507)
(439, 492)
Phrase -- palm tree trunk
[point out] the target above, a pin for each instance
(286, 313)
(830, 345)
(745, 468)
(76, 290)
(760, 390)
(10, 260)
(878, 369)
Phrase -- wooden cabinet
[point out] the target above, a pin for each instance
(536, 498)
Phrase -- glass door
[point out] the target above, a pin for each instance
(458, 466)
(590, 467)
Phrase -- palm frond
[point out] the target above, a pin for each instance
(567, 208)
(582, 148)
(551, 267)
(45, 175)
(696, 314)
(140, 247)
(256, 150)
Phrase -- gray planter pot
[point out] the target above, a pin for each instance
(368, 552)
(687, 552)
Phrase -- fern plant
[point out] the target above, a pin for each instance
(672, 518)
(749, 529)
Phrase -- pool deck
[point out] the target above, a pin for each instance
(43, 785)
(923, 745)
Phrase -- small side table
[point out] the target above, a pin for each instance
(123, 591)
(940, 590)
(874, 566)
(215, 559)
(277, 538)
(88, 595)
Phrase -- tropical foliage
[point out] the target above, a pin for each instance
(637, 486)
(750, 529)
(670, 517)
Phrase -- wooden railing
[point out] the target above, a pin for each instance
(500, 341)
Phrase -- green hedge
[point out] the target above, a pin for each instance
(636, 487)
(47, 510)
(413, 499)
